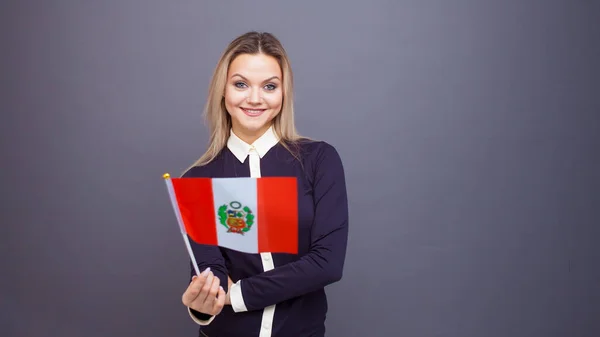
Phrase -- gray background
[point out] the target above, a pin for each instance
(468, 130)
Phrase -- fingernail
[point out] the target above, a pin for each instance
(194, 277)
(221, 287)
(205, 272)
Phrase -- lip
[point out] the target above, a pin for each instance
(253, 112)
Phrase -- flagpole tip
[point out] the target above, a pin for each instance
(166, 176)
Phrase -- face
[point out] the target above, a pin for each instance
(253, 94)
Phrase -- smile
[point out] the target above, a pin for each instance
(253, 112)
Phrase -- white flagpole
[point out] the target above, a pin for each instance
(171, 190)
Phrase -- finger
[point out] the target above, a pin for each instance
(214, 291)
(200, 280)
(205, 289)
(193, 289)
(220, 302)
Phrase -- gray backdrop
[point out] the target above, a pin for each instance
(468, 130)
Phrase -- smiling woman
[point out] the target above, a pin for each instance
(253, 72)
(252, 134)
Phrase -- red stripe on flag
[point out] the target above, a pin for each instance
(277, 215)
(195, 200)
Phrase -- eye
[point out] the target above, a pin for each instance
(270, 87)
(239, 85)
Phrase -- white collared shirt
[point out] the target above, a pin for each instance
(255, 152)
(261, 146)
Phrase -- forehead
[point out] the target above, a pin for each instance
(258, 66)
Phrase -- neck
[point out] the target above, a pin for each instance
(250, 137)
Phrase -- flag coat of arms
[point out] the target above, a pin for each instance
(251, 215)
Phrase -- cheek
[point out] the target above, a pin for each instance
(275, 101)
(233, 98)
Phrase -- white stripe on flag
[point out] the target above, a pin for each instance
(236, 193)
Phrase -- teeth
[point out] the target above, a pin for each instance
(253, 111)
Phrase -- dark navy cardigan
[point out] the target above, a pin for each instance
(296, 284)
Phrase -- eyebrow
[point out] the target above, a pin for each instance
(268, 79)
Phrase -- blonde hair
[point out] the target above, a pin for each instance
(215, 114)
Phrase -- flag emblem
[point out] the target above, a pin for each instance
(235, 218)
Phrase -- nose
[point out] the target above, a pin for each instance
(254, 96)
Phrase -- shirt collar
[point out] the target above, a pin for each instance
(263, 144)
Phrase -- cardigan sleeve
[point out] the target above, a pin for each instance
(324, 262)
(206, 256)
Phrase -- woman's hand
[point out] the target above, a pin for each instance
(204, 294)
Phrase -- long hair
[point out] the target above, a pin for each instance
(215, 113)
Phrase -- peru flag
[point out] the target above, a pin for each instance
(251, 215)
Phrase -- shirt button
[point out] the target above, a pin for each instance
(266, 258)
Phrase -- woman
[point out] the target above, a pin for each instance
(252, 134)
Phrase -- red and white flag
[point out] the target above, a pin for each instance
(251, 215)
